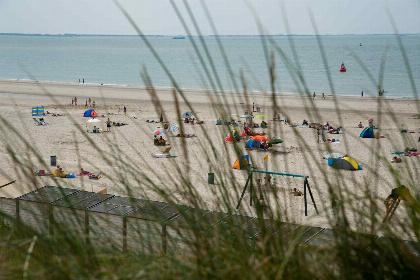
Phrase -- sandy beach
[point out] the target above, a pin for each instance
(67, 138)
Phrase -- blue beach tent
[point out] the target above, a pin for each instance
(252, 144)
(367, 133)
(90, 113)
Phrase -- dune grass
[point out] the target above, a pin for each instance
(222, 251)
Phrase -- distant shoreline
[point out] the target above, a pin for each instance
(198, 91)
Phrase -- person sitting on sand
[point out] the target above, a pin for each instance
(396, 160)
(264, 146)
(155, 140)
(360, 125)
(95, 129)
(84, 172)
(61, 173)
(407, 152)
(161, 141)
(57, 170)
(186, 120)
(305, 122)
(219, 122)
(296, 192)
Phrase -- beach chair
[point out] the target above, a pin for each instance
(165, 151)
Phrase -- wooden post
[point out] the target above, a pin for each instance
(51, 219)
(305, 182)
(312, 197)
(244, 190)
(164, 240)
(124, 232)
(87, 241)
(17, 213)
(250, 192)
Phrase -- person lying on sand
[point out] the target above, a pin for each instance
(186, 135)
(334, 130)
(296, 192)
(396, 160)
(407, 152)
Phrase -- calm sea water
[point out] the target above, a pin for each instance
(119, 60)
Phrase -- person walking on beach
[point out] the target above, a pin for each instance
(108, 126)
(323, 96)
(79, 81)
(72, 101)
(75, 101)
(125, 111)
(362, 93)
(314, 95)
(90, 102)
(86, 103)
(253, 106)
(83, 80)
(93, 103)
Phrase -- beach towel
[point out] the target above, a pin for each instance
(415, 154)
(398, 153)
(95, 177)
(163, 156)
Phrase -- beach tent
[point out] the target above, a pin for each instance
(90, 113)
(346, 163)
(230, 138)
(241, 163)
(253, 144)
(259, 138)
(38, 111)
(367, 133)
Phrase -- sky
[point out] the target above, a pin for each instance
(231, 17)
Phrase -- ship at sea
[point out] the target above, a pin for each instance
(178, 37)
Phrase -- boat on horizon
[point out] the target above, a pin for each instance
(178, 37)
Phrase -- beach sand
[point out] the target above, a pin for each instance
(300, 153)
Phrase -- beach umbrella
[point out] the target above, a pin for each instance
(93, 120)
(246, 117)
(274, 141)
(370, 120)
(187, 115)
(234, 115)
(158, 132)
(260, 116)
(173, 127)
(259, 138)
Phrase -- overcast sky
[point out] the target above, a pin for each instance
(230, 16)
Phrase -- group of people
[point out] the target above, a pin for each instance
(90, 103)
(74, 101)
(159, 141)
(314, 95)
(255, 108)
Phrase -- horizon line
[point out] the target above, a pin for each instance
(206, 35)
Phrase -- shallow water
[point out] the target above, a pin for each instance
(119, 60)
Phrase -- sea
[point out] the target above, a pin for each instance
(371, 61)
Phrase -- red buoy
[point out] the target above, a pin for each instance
(343, 68)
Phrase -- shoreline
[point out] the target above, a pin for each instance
(192, 90)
